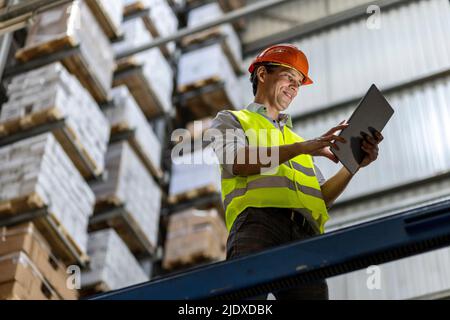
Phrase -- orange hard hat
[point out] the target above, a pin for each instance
(286, 55)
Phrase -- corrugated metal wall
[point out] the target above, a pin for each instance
(420, 276)
(285, 16)
(414, 162)
(413, 42)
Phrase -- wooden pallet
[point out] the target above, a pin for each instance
(66, 136)
(192, 194)
(29, 121)
(188, 261)
(48, 226)
(209, 34)
(129, 73)
(199, 84)
(125, 225)
(75, 63)
(21, 204)
(148, 163)
(134, 7)
(102, 17)
(94, 289)
(207, 103)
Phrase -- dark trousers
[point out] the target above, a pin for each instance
(257, 229)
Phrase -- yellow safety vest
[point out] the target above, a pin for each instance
(293, 185)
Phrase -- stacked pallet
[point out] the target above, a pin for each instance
(161, 21)
(148, 75)
(112, 264)
(29, 269)
(130, 189)
(193, 237)
(35, 173)
(231, 45)
(73, 27)
(207, 88)
(194, 174)
(126, 118)
(50, 94)
(109, 15)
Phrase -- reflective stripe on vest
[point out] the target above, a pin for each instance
(291, 185)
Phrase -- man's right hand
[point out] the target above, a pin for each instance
(321, 145)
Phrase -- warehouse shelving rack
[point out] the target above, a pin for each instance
(428, 226)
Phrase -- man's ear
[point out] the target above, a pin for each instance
(261, 74)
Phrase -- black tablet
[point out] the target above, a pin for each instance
(373, 112)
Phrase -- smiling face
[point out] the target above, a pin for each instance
(280, 86)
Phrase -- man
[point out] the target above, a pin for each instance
(267, 208)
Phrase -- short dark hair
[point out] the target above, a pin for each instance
(270, 68)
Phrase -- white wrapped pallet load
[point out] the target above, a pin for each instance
(129, 184)
(125, 115)
(164, 21)
(205, 66)
(52, 91)
(69, 26)
(109, 15)
(38, 169)
(156, 71)
(112, 264)
(135, 34)
(198, 170)
(161, 21)
(159, 75)
(211, 12)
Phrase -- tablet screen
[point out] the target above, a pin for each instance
(374, 112)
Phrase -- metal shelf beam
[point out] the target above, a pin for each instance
(229, 17)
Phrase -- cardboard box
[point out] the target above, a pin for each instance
(21, 280)
(26, 238)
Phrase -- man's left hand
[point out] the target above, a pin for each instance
(370, 147)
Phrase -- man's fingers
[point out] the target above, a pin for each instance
(379, 136)
(367, 137)
(330, 155)
(333, 137)
(341, 126)
(337, 128)
(371, 152)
